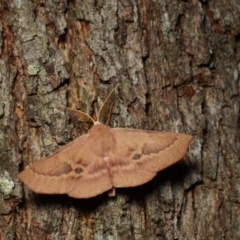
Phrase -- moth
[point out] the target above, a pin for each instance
(104, 159)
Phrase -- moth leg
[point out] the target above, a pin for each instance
(112, 192)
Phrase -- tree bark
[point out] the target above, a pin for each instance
(176, 64)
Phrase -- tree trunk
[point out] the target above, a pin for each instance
(177, 68)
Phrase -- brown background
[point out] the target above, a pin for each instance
(177, 65)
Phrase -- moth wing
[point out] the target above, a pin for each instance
(139, 155)
(73, 169)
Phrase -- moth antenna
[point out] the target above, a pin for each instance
(109, 114)
(84, 116)
(110, 94)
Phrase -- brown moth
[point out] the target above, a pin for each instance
(104, 159)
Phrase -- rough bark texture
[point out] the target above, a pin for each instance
(177, 65)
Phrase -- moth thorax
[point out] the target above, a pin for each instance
(103, 140)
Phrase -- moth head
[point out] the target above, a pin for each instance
(96, 123)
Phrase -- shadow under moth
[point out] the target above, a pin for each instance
(104, 159)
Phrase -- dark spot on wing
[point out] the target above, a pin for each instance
(136, 156)
(78, 170)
